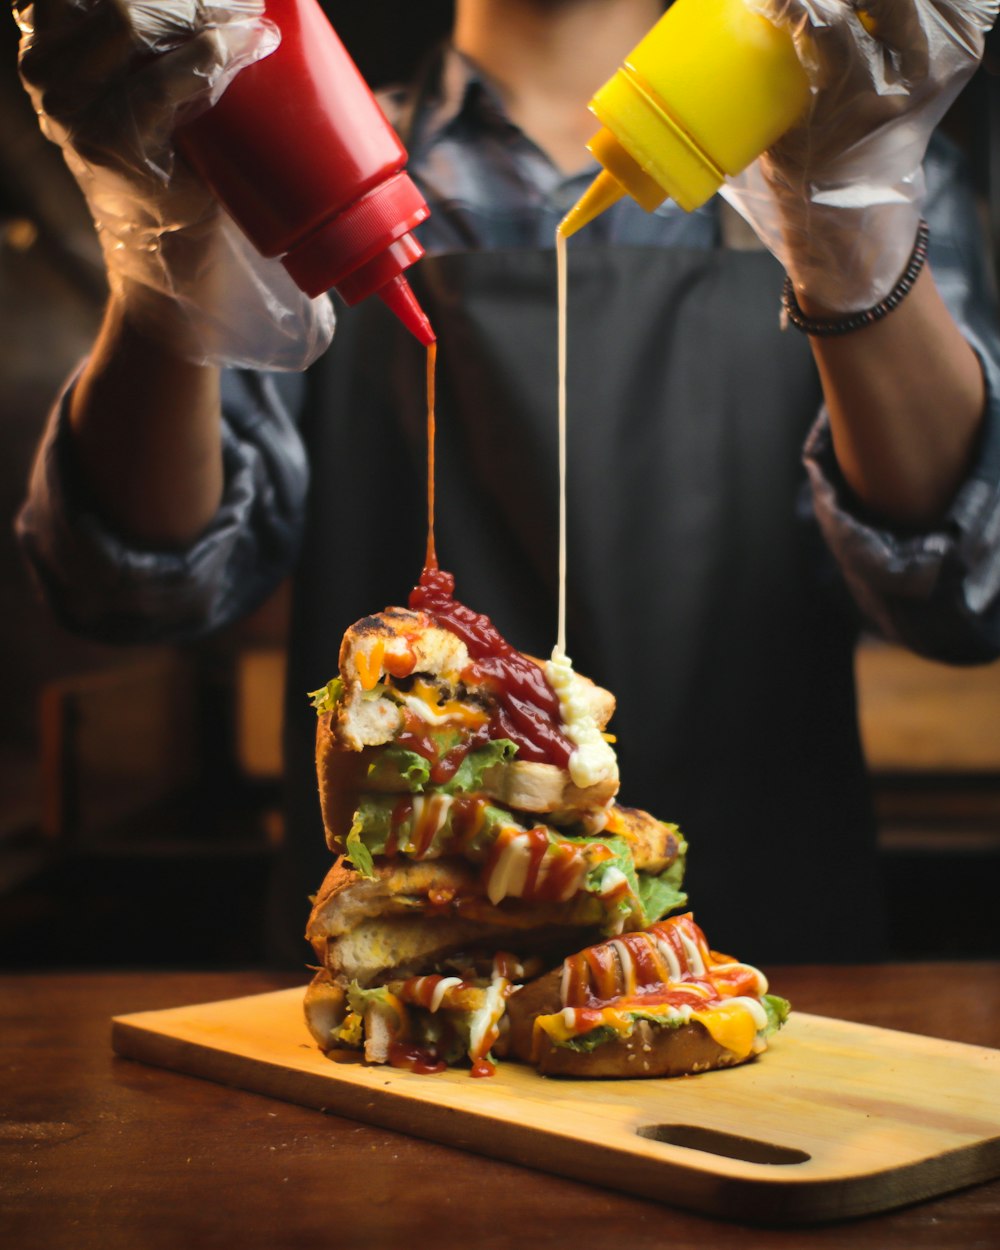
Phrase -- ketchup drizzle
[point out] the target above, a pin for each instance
(443, 767)
(420, 1059)
(528, 709)
(595, 978)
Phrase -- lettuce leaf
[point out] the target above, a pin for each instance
(587, 1042)
(350, 1031)
(659, 895)
(360, 998)
(604, 1033)
(374, 818)
(395, 763)
(663, 894)
(468, 777)
(622, 861)
(357, 851)
(445, 1034)
(326, 698)
(778, 1010)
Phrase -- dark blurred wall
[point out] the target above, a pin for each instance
(389, 39)
(51, 290)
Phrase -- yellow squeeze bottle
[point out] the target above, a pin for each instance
(709, 89)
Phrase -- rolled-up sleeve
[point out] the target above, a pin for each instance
(936, 592)
(100, 586)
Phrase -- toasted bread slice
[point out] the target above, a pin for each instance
(413, 914)
(365, 928)
(325, 1005)
(398, 643)
(347, 899)
(409, 641)
(545, 790)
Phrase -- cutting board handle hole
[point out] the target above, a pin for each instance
(728, 1145)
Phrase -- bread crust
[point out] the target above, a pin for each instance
(442, 888)
(650, 1051)
(365, 928)
(340, 774)
(547, 790)
(325, 1005)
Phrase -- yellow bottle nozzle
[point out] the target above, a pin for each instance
(709, 88)
(601, 194)
(620, 176)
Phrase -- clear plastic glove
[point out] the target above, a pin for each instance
(110, 81)
(838, 198)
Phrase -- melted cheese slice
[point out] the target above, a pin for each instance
(369, 664)
(563, 1026)
(732, 1025)
(424, 700)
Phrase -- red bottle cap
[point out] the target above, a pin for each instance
(365, 250)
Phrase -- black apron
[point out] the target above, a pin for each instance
(697, 592)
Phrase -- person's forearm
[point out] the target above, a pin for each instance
(906, 399)
(146, 428)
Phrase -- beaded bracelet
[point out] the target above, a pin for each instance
(821, 327)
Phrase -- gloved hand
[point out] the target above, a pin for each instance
(838, 198)
(110, 80)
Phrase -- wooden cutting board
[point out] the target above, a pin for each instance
(834, 1120)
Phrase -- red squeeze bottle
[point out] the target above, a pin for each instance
(301, 156)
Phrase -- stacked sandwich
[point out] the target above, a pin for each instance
(468, 792)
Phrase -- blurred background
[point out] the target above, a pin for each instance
(140, 788)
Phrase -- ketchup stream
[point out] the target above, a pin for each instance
(430, 559)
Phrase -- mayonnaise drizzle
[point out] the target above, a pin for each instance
(486, 1017)
(561, 357)
(593, 758)
(627, 967)
(442, 988)
(430, 812)
(695, 961)
(670, 958)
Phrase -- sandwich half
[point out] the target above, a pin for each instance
(655, 1003)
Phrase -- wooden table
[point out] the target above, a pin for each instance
(100, 1151)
